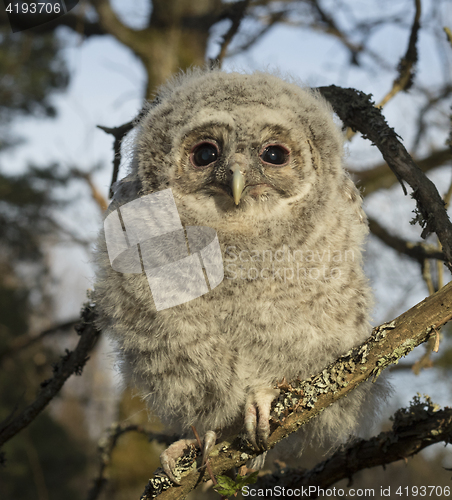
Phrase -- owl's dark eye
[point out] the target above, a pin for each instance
(204, 154)
(275, 155)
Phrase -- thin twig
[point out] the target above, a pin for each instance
(97, 196)
(24, 341)
(380, 177)
(406, 66)
(448, 34)
(332, 29)
(427, 275)
(118, 133)
(272, 19)
(433, 99)
(417, 251)
(108, 443)
(236, 15)
(72, 363)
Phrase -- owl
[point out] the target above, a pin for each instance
(257, 159)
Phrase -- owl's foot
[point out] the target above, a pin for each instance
(257, 417)
(169, 457)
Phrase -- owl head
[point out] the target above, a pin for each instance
(237, 144)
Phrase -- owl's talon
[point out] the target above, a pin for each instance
(257, 417)
(168, 467)
(169, 457)
(250, 424)
(263, 439)
(209, 442)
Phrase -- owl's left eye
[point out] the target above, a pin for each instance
(275, 154)
(204, 154)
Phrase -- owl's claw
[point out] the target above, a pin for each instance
(169, 457)
(209, 442)
(250, 424)
(257, 417)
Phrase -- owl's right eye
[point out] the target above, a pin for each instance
(204, 154)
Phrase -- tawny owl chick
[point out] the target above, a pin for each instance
(259, 160)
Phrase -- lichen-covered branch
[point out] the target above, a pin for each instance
(300, 401)
(414, 429)
(72, 362)
(357, 110)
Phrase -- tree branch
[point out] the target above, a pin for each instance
(24, 341)
(448, 34)
(381, 177)
(108, 443)
(417, 251)
(118, 133)
(273, 18)
(111, 23)
(332, 28)
(405, 77)
(414, 429)
(236, 15)
(433, 99)
(97, 196)
(357, 110)
(300, 401)
(406, 66)
(72, 362)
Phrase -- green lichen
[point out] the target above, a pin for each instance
(161, 482)
(418, 410)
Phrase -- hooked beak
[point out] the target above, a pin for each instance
(237, 184)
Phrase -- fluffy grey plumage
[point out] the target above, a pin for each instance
(294, 296)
